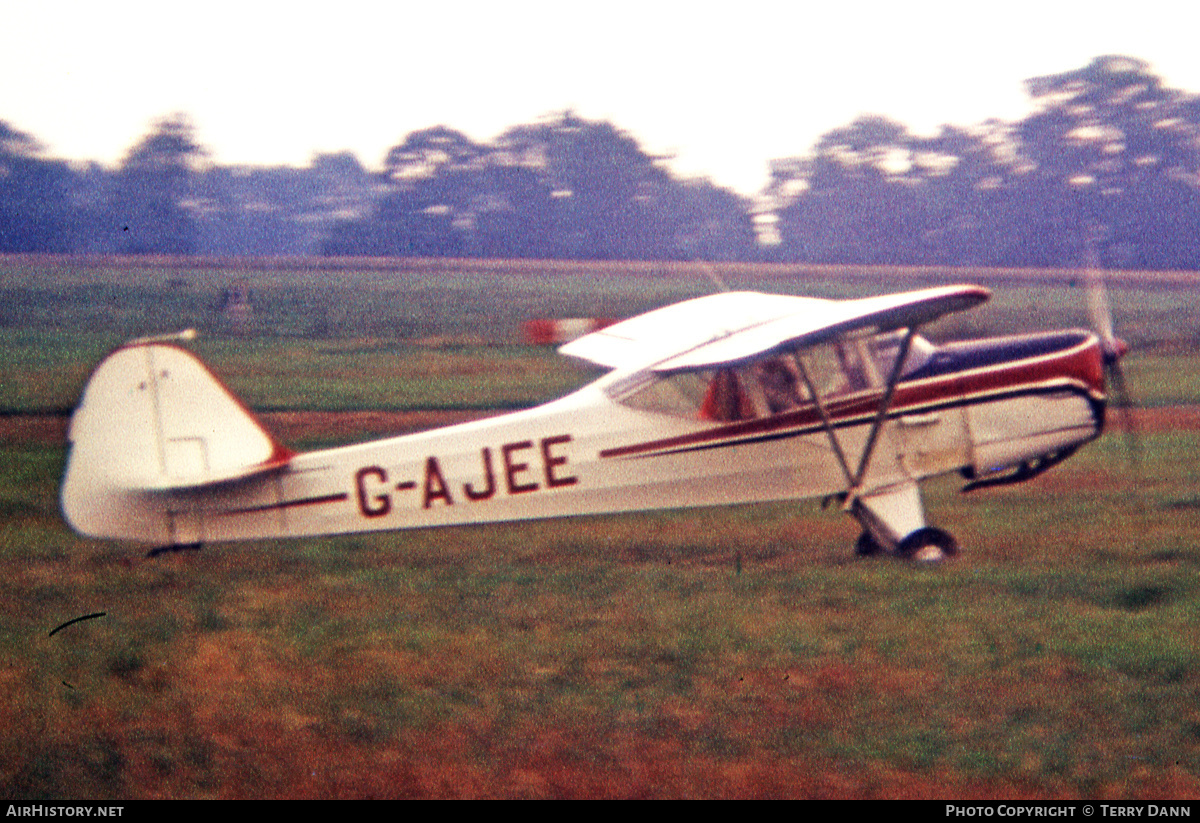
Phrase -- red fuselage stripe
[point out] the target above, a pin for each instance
(1079, 367)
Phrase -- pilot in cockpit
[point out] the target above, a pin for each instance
(780, 384)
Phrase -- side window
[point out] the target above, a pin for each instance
(861, 363)
(677, 395)
(836, 369)
(773, 384)
(744, 392)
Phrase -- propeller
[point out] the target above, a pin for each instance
(1113, 349)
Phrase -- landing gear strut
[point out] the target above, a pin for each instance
(867, 545)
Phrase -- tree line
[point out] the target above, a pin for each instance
(1109, 161)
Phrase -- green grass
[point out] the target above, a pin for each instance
(722, 652)
(620, 656)
(379, 339)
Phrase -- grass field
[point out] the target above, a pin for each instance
(738, 652)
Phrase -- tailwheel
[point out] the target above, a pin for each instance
(928, 545)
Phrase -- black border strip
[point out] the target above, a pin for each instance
(288, 504)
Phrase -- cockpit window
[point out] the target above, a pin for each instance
(774, 384)
(679, 395)
(886, 346)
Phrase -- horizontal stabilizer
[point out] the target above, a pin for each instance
(233, 475)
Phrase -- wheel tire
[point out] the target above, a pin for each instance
(928, 545)
(867, 546)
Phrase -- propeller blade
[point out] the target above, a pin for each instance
(1100, 311)
(1124, 405)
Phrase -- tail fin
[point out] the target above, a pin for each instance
(152, 420)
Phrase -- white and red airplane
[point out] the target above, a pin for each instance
(730, 398)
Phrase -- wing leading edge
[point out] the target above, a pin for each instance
(735, 327)
(648, 338)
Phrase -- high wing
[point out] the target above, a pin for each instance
(739, 326)
(656, 335)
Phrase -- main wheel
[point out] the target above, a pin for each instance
(928, 545)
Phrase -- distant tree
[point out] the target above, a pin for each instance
(711, 223)
(426, 209)
(91, 191)
(562, 187)
(601, 196)
(856, 200)
(1115, 154)
(279, 210)
(425, 153)
(966, 188)
(36, 213)
(605, 189)
(1110, 153)
(155, 205)
(248, 210)
(338, 185)
(513, 213)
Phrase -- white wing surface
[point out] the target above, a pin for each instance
(648, 338)
(735, 327)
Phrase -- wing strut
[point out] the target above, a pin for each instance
(820, 404)
(884, 403)
(854, 479)
(889, 514)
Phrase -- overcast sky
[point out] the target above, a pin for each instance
(726, 87)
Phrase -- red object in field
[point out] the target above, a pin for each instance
(549, 332)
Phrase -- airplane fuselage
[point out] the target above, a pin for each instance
(973, 408)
